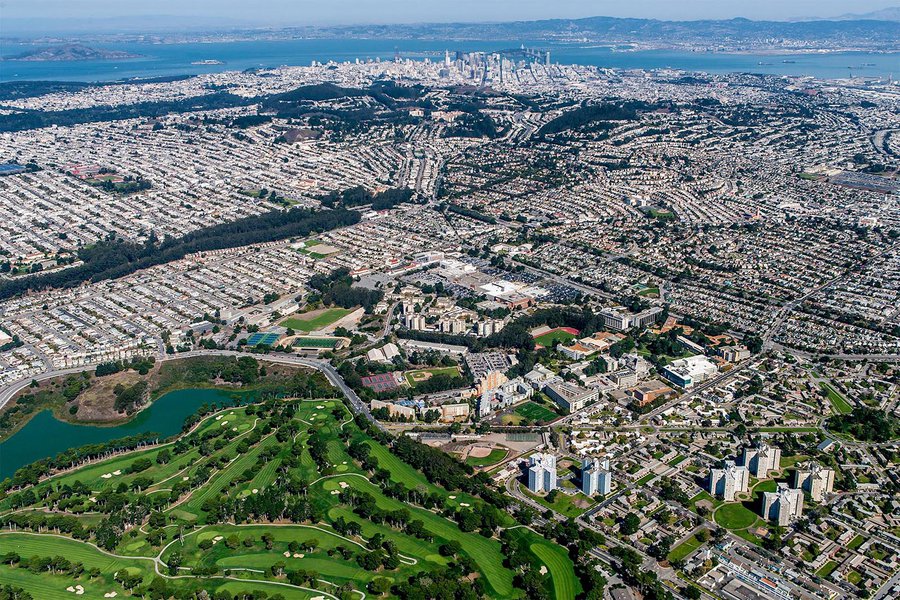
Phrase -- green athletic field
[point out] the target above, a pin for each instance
(323, 319)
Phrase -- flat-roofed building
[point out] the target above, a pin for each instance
(595, 477)
(395, 410)
(762, 459)
(731, 479)
(620, 319)
(815, 479)
(570, 396)
(782, 506)
(542, 472)
(688, 372)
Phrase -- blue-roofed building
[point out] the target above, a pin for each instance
(11, 169)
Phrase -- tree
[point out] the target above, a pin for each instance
(630, 524)
(692, 592)
(379, 586)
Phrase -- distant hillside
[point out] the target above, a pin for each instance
(730, 33)
(885, 14)
(70, 52)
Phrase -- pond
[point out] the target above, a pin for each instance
(45, 436)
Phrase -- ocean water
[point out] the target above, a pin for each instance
(175, 59)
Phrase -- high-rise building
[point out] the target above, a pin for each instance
(762, 459)
(596, 477)
(815, 479)
(783, 505)
(731, 479)
(542, 473)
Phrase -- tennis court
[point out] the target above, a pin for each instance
(262, 339)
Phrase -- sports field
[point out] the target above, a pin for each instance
(262, 339)
(536, 412)
(555, 336)
(315, 320)
(495, 456)
(314, 342)
(417, 376)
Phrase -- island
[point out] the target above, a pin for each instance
(70, 52)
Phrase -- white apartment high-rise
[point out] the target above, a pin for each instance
(814, 478)
(542, 473)
(761, 460)
(729, 480)
(595, 477)
(782, 506)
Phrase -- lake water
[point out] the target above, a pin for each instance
(45, 436)
(175, 59)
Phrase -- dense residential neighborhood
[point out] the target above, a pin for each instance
(645, 321)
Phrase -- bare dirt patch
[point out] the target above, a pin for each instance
(96, 404)
(480, 451)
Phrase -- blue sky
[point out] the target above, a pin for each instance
(299, 12)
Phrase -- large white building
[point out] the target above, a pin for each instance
(762, 459)
(731, 479)
(542, 473)
(596, 477)
(782, 506)
(688, 372)
(815, 479)
(619, 318)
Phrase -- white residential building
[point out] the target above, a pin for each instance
(761, 460)
(782, 506)
(815, 479)
(542, 473)
(596, 477)
(728, 481)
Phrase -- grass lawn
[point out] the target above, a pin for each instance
(790, 461)
(645, 479)
(856, 542)
(854, 577)
(496, 455)
(323, 319)
(553, 337)
(682, 550)
(734, 515)
(563, 504)
(48, 586)
(536, 412)
(677, 460)
(413, 378)
(838, 402)
(827, 568)
(768, 485)
(649, 291)
(560, 566)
